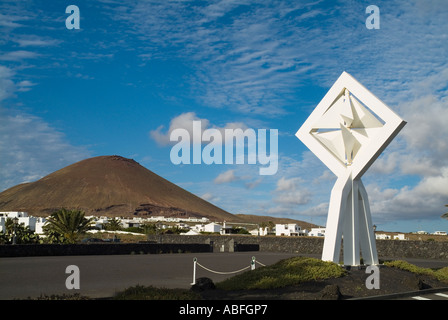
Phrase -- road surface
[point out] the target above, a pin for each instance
(102, 276)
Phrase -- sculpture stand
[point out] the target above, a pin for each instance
(349, 218)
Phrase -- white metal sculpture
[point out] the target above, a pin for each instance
(347, 131)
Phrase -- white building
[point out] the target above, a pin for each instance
(317, 232)
(129, 223)
(290, 229)
(439, 233)
(399, 236)
(383, 236)
(210, 227)
(40, 222)
(2, 224)
(34, 223)
(13, 214)
(225, 229)
(259, 232)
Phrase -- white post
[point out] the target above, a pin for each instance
(252, 264)
(194, 271)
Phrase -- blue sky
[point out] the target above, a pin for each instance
(135, 70)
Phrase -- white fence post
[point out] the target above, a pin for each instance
(195, 261)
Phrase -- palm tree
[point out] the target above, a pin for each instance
(150, 228)
(113, 224)
(67, 225)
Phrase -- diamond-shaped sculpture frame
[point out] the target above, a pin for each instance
(347, 131)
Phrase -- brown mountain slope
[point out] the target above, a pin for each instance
(111, 186)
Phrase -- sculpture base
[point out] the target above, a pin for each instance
(349, 218)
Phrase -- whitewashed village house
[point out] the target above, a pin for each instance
(289, 229)
(34, 223)
(317, 232)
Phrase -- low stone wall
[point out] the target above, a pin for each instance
(393, 249)
(313, 245)
(228, 243)
(28, 250)
(412, 249)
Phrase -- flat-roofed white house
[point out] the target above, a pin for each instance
(317, 232)
(289, 229)
(34, 223)
(210, 227)
(399, 236)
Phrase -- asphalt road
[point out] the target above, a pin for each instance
(102, 276)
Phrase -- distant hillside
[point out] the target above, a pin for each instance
(109, 186)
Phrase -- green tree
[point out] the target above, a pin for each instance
(113, 225)
(150, 228)
(24, 235)
(66, 226)
(271, 225)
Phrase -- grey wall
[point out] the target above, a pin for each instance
(312, 245)
(391, 249)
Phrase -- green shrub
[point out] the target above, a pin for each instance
(284, 273)
(440, 274)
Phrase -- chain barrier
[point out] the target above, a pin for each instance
(218, 272)
(263, 265)
(196, 263)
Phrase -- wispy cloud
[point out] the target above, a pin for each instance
(30, 148)
(252, 56)
(9, 21)
(243, 62)
(36, 41)
(7, 86)
(18, 55)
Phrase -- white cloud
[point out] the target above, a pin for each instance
(210, 197)
(185, 121)
(7, 86)
(226, 177)
(291, 192)
(30, 148)
(424, 201)
(18, 55)
(25, 85)
(9, 21)
(36, 41)
(426, 132)
(284, 184)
